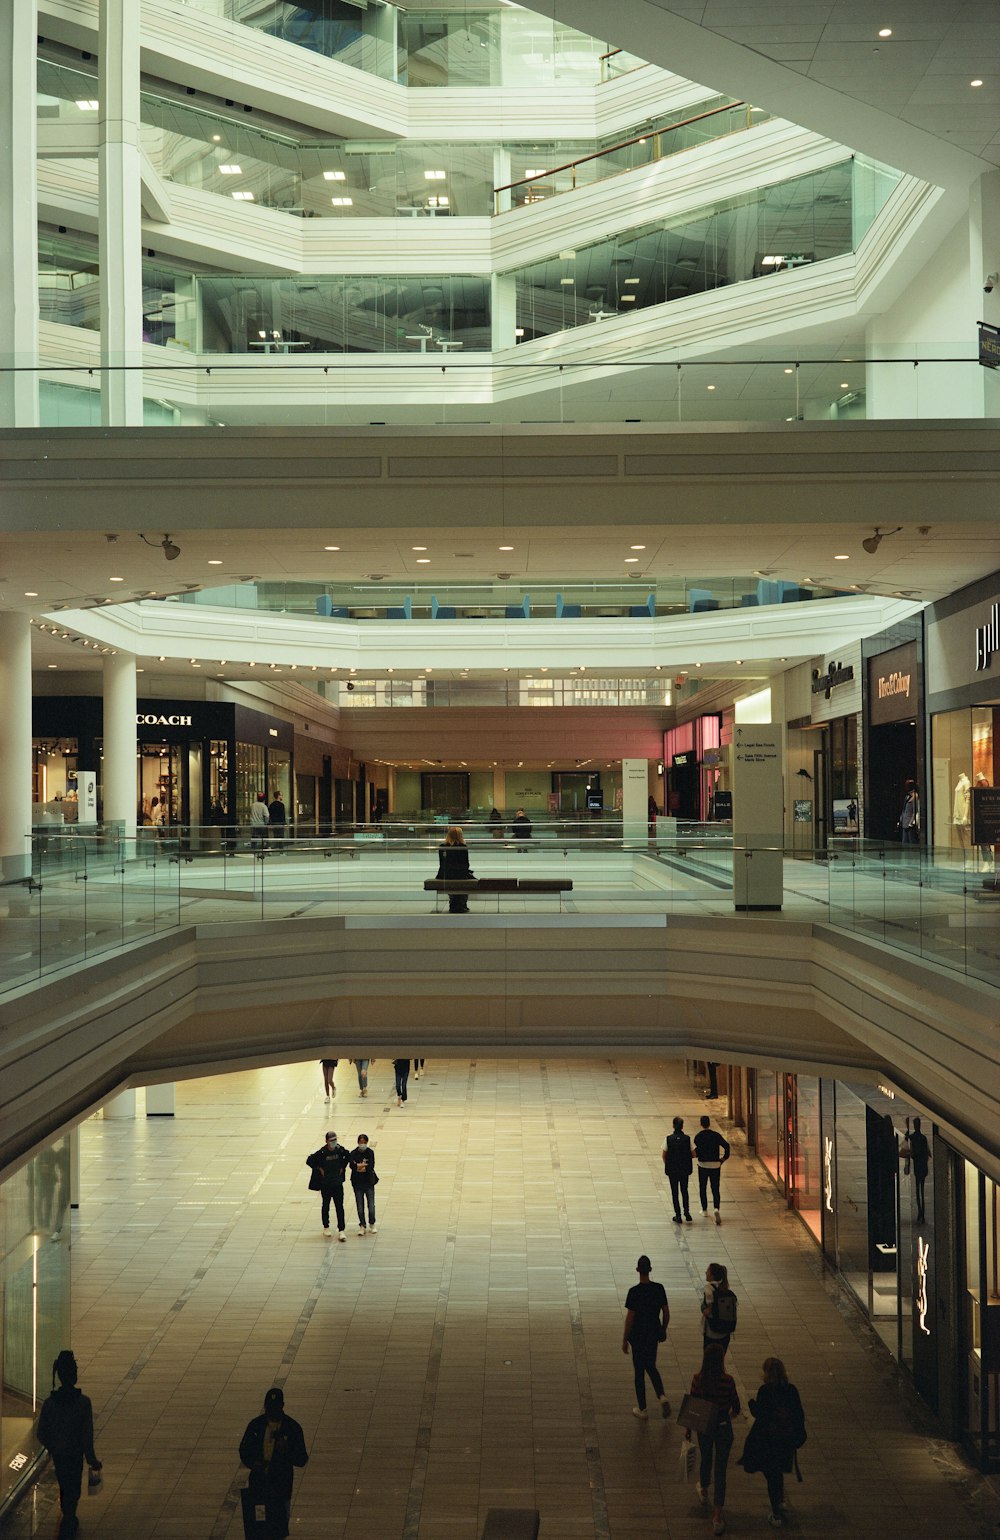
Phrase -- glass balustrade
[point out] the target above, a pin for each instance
(93, 894)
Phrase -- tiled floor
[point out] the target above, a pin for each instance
(469, 1355)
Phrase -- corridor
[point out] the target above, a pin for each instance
(468, 1356)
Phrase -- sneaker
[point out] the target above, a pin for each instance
(664, 1406)
(371, 1229)
(326, 1231)
(719, 1527)
(399, 1101)
(416, 1074)
(774, 1519)
(640, 1412)
(689, 1219)
(718, 1217)
(341, 1236)
(327, 1097)
(362, 1230)
(677, 1219)
(333, 1090)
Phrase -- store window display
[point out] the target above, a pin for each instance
(962, 758)
(961, 816)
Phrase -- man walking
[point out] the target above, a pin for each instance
(259, 821)
(712, 1152)
(276, 817)
(920, 1156)
(328, 1166)
(402, 1068)
(363, 1179)
(66, 1430)
(270, 1448)
(647, 1316)
(678, 1165)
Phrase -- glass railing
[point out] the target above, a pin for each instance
(654, 144)
(93, 893)
(431, 47)
(603, 599)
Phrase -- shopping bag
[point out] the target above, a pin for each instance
(255, 1525)
(698, 1415)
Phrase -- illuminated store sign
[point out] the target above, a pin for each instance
(923, 1265)
(149, 719)
(828, 1173)
(988, 640)
(893, 685)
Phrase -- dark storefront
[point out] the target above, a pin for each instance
(192, 756)
(894, 739)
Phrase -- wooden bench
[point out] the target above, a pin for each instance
(499, 886)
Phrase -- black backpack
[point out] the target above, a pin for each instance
(786, 1423)
(722, 1317)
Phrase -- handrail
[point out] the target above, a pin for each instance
(655, 134)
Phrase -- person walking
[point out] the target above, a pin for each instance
(363, 1180)
(678, 1165)
(779, 1429)
(920, 1158)
(713, 1384)
(718, 1306)
(418, 1065)
(328, 1066)
(271, 1448)
(328, 1166)
(909, 818)
(277, 817)
(402, 1068)
(712, 1067)
(712, 1151)
(259, 821)
(66, 1430)
(647, 1316)
(361, 1065)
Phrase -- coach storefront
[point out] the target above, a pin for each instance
(201, 759)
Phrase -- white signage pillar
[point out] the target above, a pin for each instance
(635, 801)
(120, 796)
(758, 816)
(15, 747)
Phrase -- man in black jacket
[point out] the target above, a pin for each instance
(328, 1167)
(270, 1449)
(678, 1164)
(712, 1152)
(66, 1430)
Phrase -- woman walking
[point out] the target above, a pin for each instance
(713, 1384)
(779, 1429)
(361, 1065)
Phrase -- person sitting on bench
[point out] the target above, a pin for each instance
(453, 866)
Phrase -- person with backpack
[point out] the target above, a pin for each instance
(779, 1429)
(712, 1151)
(647, 1316)
(66, 1430)
(713, 1384)
(718, 1306)
(677, 1166)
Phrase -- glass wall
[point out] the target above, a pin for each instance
(962, 757)
(34, 1299)
(980, 1302)
(767, 1121)
(806, 1159)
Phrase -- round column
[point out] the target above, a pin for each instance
(120, 741)
(15, 747)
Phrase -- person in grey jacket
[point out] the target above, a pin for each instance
(66, 1430)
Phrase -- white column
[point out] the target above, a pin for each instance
(160, 1100)
(120, 793)
(635, 801)
(15, 747)
(120, 212)
(503, 312)
(19, 222)
(74, 1166)
(121, 1106)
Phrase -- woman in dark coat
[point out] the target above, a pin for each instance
(779, 1429)
(270, 1448)
(453, 866)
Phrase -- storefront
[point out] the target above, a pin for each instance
(963, 700)
(695, 760)
(823, 731)
(202, 760)
(893, 736)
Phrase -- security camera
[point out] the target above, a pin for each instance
(990, 282)
(350, 684)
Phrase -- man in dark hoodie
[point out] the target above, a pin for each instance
(270, 1448)
(66, 1430)
(328, 1166)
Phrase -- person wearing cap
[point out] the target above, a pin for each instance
(647, 1316)
(363, 1179)
(66, 1430)
(272, 1446)
(328, 1166)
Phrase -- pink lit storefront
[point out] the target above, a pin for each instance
(696, 768)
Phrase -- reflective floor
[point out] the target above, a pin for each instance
(468, 1356)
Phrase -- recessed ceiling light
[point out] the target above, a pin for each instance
(342, 203)
(331, 548)
(423, 561)
(231, 170)
(116, 580)
(418, 548)
(739, 662)
(844, 385)
(709, 387)
(335, 176)
(841, 558)
(216, 138)
(214, 562)
(885, 32)
(975, 83)
(567, 280)
(505, 547)
(629, 559)
(243, 197)
(435, 176)
(626, 299)
(29, 593)
(631, 280)
(789, 371)
(88, 105)
(56, 665)
(637, 547)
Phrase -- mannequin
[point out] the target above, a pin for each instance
(985, 851)
(960, 812)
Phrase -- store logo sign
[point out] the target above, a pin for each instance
(988, 640)
(894, 684)
(836, 673)
(923, 1266)
(828, 1173)
(149, 719)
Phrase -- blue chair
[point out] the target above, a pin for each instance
(330, 611)
(748, 601)
(402, 611)
(520, 611)
(639, 611)
(566, 611)
(441, 611)
(792, 595)
(700, 600)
